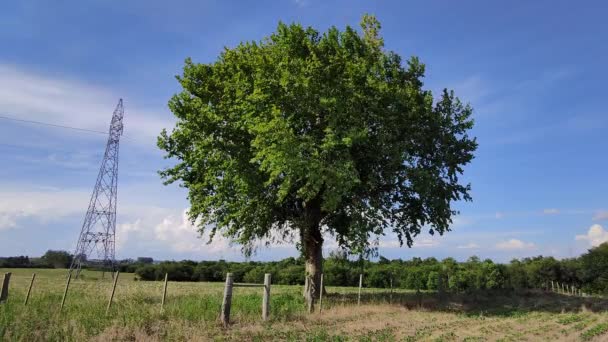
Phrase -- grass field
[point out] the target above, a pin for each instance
(192, 309)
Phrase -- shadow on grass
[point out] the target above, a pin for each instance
(502, 303)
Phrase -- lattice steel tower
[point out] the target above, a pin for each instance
(97, 236)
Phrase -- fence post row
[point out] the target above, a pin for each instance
(29, 289)
(112, 293)
(65, 292)
(4, 290)
(227, 300)
(321, 294)
(266, 299)
(360, 285)
(162, 303)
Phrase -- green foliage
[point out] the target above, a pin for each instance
(588, 272)
(57, 259)
(594, 265)
(255, 275)
(21, 261)
(303, 130)
(432, 282)
(339, 270)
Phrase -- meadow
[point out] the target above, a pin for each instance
(191, 312)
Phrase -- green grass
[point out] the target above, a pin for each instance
(597, 330)
(135, 304)
(568, 319)
(191, 312)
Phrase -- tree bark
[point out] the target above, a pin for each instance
(312, 243)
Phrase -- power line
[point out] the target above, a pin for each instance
(53, 125)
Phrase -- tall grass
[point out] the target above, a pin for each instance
(136, 304)
(192, 310)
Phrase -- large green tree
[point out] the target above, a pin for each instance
(317, 134)
(57, 259)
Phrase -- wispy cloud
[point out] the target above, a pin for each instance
(63, 101)
(40, 205)
(550, 211)
(301, 3)
(514, 244)
(601, 215)
(51, 204)
(470, 245)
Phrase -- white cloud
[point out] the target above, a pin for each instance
(425, 243)
(50, 204)
(461, 221)
(596, 235)
(43, 205)
(601, 215)
(183, 237)
(62, 101)
(470, 245)
(391, 241)
(388, 244)
(551, 211)
(470, 90)
(8, 221)
(124, 230)
(514, 244)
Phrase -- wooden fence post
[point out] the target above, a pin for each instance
(360, 285)
(266, 298)
(227, 301)
(321, 295)
(65, 292)
(29, 289)
(162, 303)
(4, 290)
(112, 293)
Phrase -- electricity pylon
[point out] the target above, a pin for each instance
(97, 236)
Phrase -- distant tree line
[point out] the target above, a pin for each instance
(588, 272)
(50, 259)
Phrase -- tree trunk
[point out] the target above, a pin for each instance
(314, 268)
(312, 242)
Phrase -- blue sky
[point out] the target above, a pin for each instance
(533, 71)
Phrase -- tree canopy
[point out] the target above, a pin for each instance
(309, 134)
